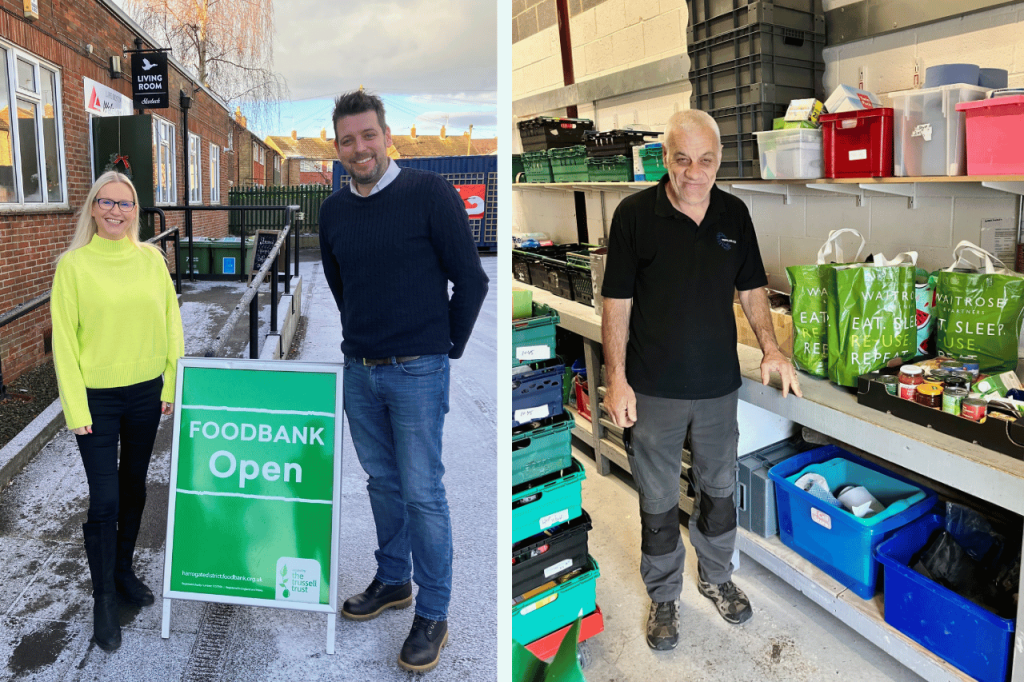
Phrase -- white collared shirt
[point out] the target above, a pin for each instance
(389, 175)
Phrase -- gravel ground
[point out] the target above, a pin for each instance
(31, 393)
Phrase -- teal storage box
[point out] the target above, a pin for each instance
(542, 447)
(610, 169)
(533, 339)
(547, 501)
(537, 166)
(970, 637)
(553, 609)
(831, 538)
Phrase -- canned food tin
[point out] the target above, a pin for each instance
(940, 373)
(957, 382)
(929, 395)
(951, 364)
(974, 409)
(953, 399)
(973, 367)
(931, 378)
(891, 383)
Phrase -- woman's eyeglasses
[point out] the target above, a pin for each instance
(107, 204)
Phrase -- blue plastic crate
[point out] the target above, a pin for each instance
(963, 633)
(833, 539)
(537, 394)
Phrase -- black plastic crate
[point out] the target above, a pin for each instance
(521, 267)
(740, 160)
(747, 118)
(582, 285)
(768, 39)
(545, 132)
(616, 142)
(559, 279)
(709, 18)
(551, 554)
(755, 79)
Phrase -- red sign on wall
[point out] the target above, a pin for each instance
(474, 198)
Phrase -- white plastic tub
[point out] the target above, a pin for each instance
(928, 132)
(794, 154)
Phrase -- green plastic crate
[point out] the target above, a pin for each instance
(517, 167)
(610, 169)
(554, 609)
(654, 163)
(537, 166)
(540, 448)
(547, 501)
(569, 164)
(533, 339)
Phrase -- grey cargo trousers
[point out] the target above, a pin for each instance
(656, 460)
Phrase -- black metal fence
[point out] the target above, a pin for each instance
(307, 197)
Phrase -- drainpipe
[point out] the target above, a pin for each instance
(186, 102)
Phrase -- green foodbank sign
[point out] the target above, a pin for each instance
(255, 484)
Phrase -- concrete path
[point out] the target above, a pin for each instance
(45, 602)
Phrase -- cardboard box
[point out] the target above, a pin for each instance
(782, 322)
(844, 98)
(803, 110)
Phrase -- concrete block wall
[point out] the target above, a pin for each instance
(607, 35)
(791, 234)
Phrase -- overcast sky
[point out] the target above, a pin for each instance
(433, 61)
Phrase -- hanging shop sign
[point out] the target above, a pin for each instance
(474, 196)
(149, 80)
(255, 486)
(103, 101)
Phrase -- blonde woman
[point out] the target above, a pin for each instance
(117, 338)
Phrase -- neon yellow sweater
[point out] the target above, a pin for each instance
(115, 323)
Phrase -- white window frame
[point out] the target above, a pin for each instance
(214, 174)
(195, 169)
(14, 93)
(165, 195)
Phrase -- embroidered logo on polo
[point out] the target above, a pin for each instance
(724, 241)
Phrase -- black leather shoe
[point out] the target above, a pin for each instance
(100, 549)
(377, 597)
(422, 648)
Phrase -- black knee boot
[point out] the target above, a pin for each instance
(101, 549)
(127, 583)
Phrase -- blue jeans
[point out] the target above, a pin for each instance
(396, 415)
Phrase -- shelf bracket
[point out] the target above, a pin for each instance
(785, 191)
(852, 190)
(908, 190)
(1008, 187)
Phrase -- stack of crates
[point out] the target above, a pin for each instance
(748, 60)
(610, 153)
(553, 575)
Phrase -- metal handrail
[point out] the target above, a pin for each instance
(22, 309)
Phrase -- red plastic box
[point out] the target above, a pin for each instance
(995, 135)
(858, 144)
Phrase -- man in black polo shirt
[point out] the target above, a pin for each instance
(676, 254)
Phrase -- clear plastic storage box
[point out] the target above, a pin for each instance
(928, 132)
(791, 154)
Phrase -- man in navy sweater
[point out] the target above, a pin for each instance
(391, 242)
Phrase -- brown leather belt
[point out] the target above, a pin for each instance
(371, 362)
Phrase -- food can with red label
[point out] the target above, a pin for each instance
(974, 409)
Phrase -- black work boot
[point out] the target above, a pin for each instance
(101, 548)
(127, 583)
(368, 604)
(422, 648)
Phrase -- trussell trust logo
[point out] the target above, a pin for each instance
(725, 242)
(298, 580)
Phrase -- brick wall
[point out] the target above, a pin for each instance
(30, 242)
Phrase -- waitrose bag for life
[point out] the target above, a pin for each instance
(808, 284)
(871, 316)
(979, 313)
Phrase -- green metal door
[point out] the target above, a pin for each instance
(125, 144)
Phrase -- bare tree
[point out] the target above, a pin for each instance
(229, 44)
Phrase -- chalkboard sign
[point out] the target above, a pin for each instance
(265, 240)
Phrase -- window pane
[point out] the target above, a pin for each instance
(26, 76)
(50, 145)
(28, 146)
(7, 190)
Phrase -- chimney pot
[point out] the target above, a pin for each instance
(412, 132)
(323, 134)
(443, 135)
(295, 135)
